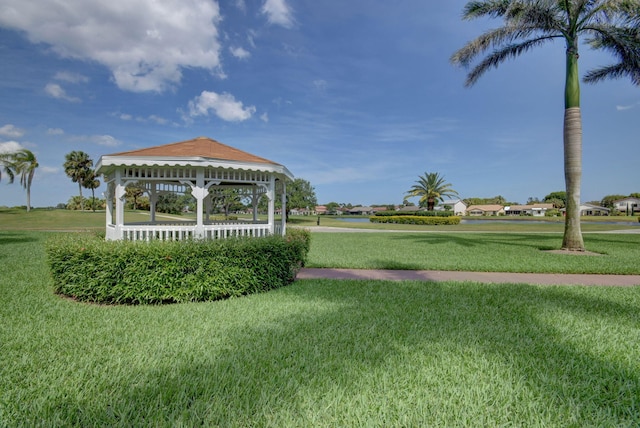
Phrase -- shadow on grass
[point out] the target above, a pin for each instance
(423, 353)
(536, 241)
(7, 238)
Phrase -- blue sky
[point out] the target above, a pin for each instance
(358, 97)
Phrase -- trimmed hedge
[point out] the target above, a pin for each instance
(89, 269)
(411, 219)
(415, 213)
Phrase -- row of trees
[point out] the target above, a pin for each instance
(23, 164)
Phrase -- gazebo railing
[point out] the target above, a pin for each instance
(177, 232)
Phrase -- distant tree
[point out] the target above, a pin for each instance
(499, 200)
(634, 195)
(561, 194)
(78, 166)
(301, 195)
(169, 203)
(91, 182)
(431, 188)
(608, 25)
(533, 200)
(557, 203)
(227, 201)
(133, 192)
(332, 207)
(23, 163)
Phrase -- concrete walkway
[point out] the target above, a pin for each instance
(486, 277)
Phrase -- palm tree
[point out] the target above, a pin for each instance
(611, 25)
(78, 167)
(24, 163)
(431, 188)
(5, 165)
(91, 182)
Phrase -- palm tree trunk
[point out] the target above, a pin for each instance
(572, 153)
(573, 175)
(81, 201)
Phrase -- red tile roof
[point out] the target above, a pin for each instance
(198, 147)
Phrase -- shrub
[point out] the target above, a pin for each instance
(125, 272)
(415, 213)
(413, 219)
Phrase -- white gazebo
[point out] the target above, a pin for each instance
(206, 167)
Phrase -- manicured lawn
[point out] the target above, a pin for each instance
(483, 252)
(319, 353)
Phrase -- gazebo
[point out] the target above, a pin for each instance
(206, 167)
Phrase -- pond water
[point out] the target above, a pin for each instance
(355, 220)
(480, 221)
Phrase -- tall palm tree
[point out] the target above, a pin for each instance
(77, 166)
(431, 188)
(91, 182)
(24, 163)
(610, 25)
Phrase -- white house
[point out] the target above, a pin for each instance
(535, 210)
(456, 205)
(627, 205)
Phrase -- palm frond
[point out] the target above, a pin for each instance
(498, 57)
(623, 43)
(492, 9)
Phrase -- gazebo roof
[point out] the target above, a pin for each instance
(200, 151)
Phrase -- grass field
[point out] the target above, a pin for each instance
(483, 252)
(318, 353)
(323, 353)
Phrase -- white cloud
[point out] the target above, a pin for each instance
(11, 131)
(48, 170)
(240, 53)
(125, 116)
(241, 5)
(145, 43)
(264, 117)
(320, 85)
(56, 91)
(67, 76)
(278, 13)
(55, 131)
(157, 119)
(105, 140)
(101, 140)
(10, 147)
(627, 107)
(223, 105)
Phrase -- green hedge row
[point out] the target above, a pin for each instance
(415, 213)
(409, 219)
(88, 268)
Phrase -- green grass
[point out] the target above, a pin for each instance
(318, 353)
(483, 252)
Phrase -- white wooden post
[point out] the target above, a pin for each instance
(153, 201)
(120, 194)
(199, 192)
(284, 206)
(271, 193)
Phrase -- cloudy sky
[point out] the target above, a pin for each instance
(358, 97)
